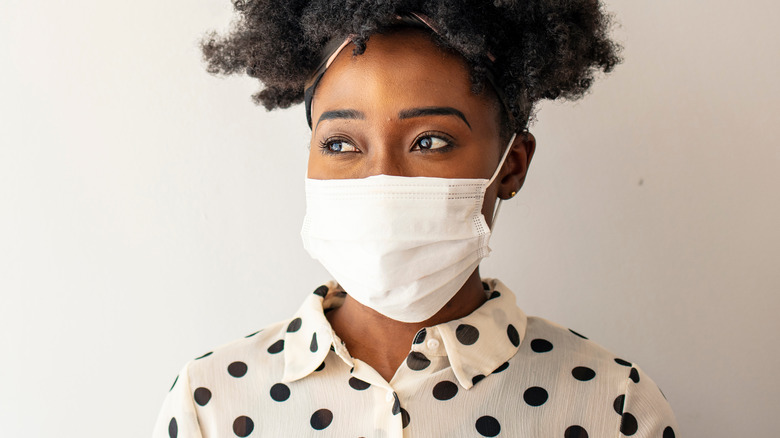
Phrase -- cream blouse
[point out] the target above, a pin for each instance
(492, 373)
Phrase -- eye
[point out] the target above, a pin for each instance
(431, 142)
(337, 146)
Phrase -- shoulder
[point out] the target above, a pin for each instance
(568, 362)
(231, 371)
(593, 377)
(545, 336)
(269, 355)
(231, 360)
(576, 355)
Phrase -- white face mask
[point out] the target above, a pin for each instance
(403, 246)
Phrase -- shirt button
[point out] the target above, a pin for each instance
(389, 397)
(433, 344)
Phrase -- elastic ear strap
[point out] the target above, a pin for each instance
(495, 215)
(503, 159)
(495, 174)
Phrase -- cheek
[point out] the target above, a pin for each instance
(482, 162)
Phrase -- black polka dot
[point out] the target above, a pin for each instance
(205, 355)
(358, 384)
(485, 286)
(583, 373)
(280, 392)
(541, 345)
(250, 335)
(313, 346)
(503, 366)
(476, 379)
(237, 369)
(294, 325)
(628, 424)
(620, 361)
(445, 390)
(618, 403)
(419, 337)
(488, 426)
(668, 432)
(634, 375)
(535, 396)
(575, 432)
(174, 383)
(243, 426)
(321, 291)
(396, 404)
(514, 337)
(173, 428)
(583, 337)
(321, 419)
(467, 334)
(495, 294)
(202, 396)
(404, 418)
(276, 347)
(417, 361)
(321, 367)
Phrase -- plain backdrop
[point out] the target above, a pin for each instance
(149, 212)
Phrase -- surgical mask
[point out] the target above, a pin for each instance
(403, 246)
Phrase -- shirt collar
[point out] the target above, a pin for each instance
(310, 337)
(476, 345)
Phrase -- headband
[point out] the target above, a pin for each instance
(336, 45)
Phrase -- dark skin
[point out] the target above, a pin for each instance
(405, 107)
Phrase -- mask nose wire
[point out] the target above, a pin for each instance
(495, 174)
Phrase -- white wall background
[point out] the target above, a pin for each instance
(150, 212)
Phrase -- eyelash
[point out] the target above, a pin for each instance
(447, 139)
(327, 143)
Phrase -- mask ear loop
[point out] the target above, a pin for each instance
(495, 174)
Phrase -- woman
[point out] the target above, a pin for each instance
(419, 114)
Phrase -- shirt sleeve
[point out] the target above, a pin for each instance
(177, 418)
(645, 411)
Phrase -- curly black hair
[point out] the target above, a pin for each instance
(542, 49)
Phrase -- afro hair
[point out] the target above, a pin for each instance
(542, 49)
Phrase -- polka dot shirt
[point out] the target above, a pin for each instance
(493, 373)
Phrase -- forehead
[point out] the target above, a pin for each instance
(401, 69)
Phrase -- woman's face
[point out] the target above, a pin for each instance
(404, 108)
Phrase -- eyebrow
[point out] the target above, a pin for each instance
(433, 111)
(340, 114)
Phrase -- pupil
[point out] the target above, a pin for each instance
(335, 147)
(426, 143)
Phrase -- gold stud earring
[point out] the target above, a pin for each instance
(512, 195)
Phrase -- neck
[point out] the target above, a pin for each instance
(384, 343)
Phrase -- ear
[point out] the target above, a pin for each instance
(517, 162)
